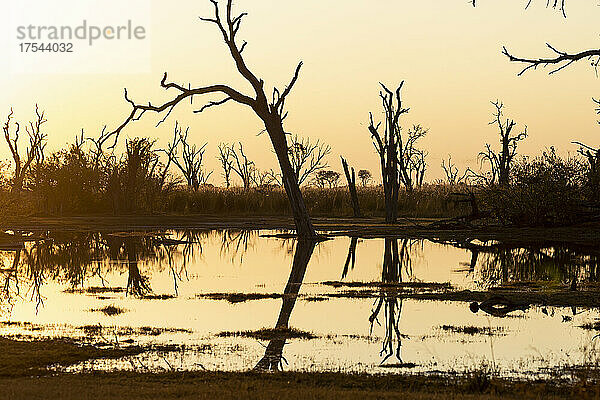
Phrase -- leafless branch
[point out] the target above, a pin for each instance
(561, 60)
(306, 157)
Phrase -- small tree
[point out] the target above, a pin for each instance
(500, 162)
(138, 175)
(263, 178)
(328, 177)
(100, 154)
(453, 176)
(226, 160)
(411, 160)
(365, 177)
(242, 166)
(306, 157)
(592, 156)
(35, 151)
(192, 157)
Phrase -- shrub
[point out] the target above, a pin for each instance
(546, 190)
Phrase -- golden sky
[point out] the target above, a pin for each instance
(447, 52)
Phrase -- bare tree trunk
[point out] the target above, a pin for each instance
(388, 146)
(304, 227)
(351, 179)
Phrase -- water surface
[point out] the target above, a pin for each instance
(189, 288)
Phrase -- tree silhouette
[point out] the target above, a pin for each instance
(365, 177)
(270, 109)
(387, 146)
(34, 152)
(351, 179)
(307, 157)
(328, 177)
(453, 176)
(226, 159)
(500, 162)
(243, 166)
(190, 163)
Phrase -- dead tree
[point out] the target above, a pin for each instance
(351, 179)
(500, 162)
(411, 160)
(242, 166)
(274, 177)
(170, 152)
(306, 157)
(365, 177)
(190, 164)
(559, 59)
(387, 147)
(270, 109)
(453, 176)
(100, 154)
(262, 179)
(34, 152)
(225, 158)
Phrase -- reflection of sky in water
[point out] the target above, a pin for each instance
(522, 343)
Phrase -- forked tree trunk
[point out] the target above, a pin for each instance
(351, 179)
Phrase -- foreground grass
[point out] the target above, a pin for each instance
(211, 385)
(24, 358)
(23, 376)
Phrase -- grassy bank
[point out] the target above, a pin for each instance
(23, 376)
(428, 201)
(25, 358)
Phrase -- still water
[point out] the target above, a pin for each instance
(199, 298)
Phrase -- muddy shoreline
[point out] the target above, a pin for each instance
(586, 235)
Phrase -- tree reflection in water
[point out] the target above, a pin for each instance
(501, 264)
(235, 243)
(351, 258)
(10, 286)
(273, 358)
(396, 257)
(74, 258)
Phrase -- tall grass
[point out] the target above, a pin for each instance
(428, 201)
